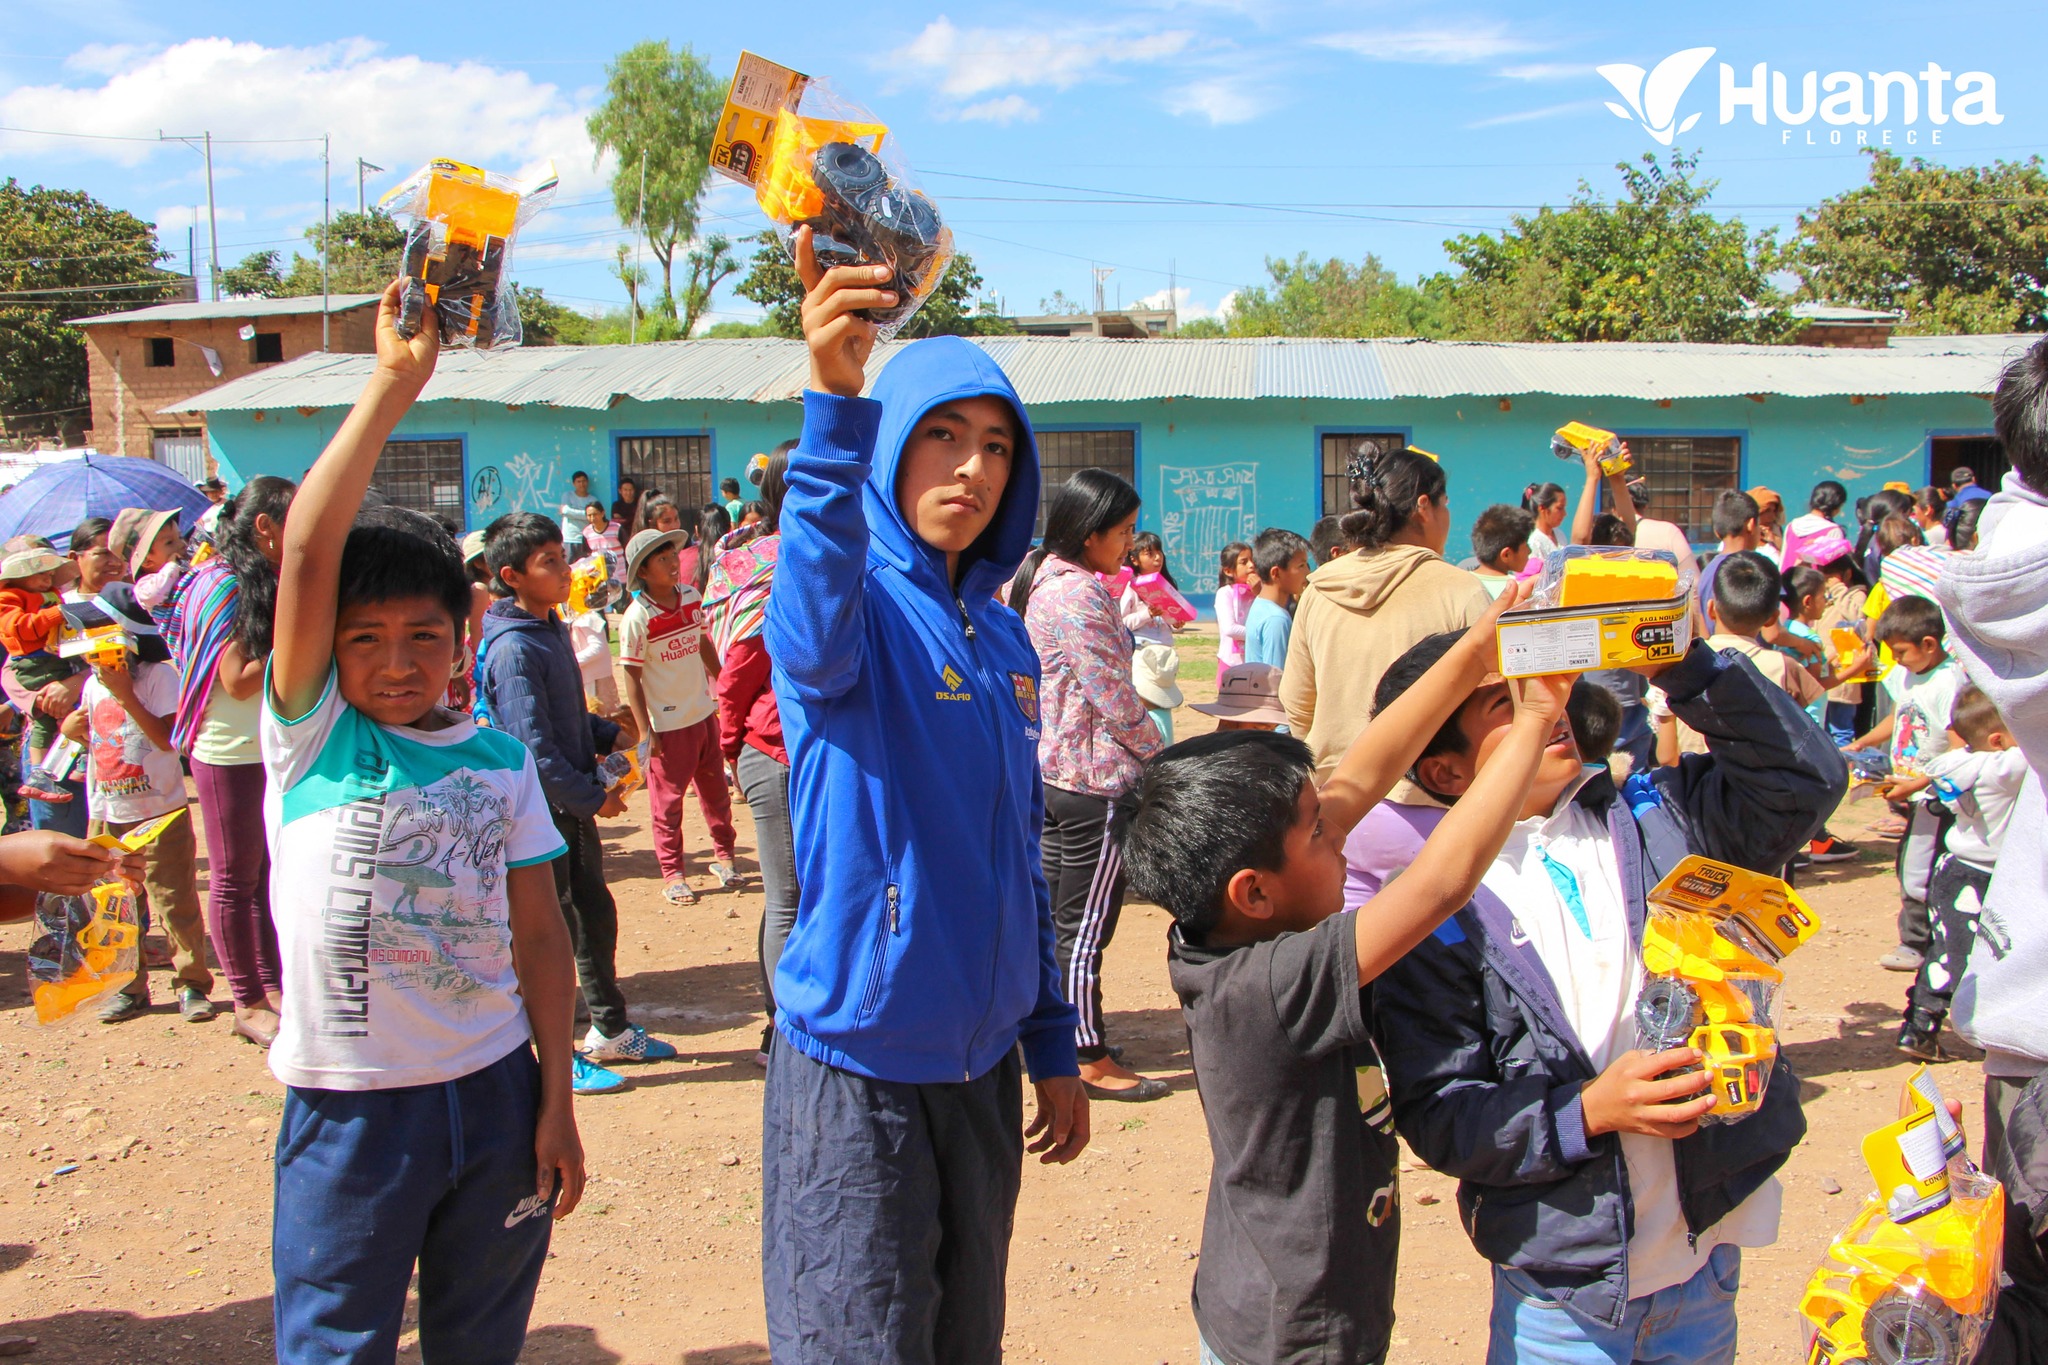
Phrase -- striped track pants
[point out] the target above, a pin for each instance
(1084, 869)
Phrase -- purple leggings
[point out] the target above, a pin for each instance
(238, 878)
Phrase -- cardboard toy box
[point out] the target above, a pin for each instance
(1599, 607)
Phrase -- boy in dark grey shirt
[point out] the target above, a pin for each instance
(1232, 836)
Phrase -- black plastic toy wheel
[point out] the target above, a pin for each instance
(1909, 1329)
(851, 172)
(412, 308)
(1667, 1011)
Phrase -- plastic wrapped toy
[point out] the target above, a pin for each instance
(1574, 439)
(621, 772)
(1711, 946)
(1599, 607)
(458, 246)
(591, 585)
(815, 158)
(90, 634)
(87, 947)
(1913, 1279)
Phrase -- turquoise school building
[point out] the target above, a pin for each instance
(1220, 437)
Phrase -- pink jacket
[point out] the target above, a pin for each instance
(1095, 729)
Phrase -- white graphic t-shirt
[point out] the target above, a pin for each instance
(390, 849)
(666, 644)
(127, 777)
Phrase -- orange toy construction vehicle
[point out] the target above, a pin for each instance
(1914, 1277)
(1711, 947)
(463, 221)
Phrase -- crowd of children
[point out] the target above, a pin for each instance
(958, 750)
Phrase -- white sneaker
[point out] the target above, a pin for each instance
(633, 1045)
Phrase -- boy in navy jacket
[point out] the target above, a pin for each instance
(1615, 1222)
(922, 954)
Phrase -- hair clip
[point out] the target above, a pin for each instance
(1365, 465)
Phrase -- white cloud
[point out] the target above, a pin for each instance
(1189, 307)
(966, 62)
(1005, 109)
(1532, 115)
(1548, 71)
(1221, 100)
(399, 110)
(178, 217)
(1436, 46)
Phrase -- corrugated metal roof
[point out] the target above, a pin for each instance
(232, 308)
(1095, 369)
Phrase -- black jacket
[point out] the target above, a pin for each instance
(533, 689)
(1483, 1066)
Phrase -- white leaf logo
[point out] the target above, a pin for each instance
(1653, 95)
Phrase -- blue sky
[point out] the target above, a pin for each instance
(1194, 138)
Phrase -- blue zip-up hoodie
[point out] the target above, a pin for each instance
(923, 944)
(532, 687)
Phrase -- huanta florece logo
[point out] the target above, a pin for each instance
(1870, 103)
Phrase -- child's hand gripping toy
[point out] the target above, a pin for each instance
(1710, 952)
(1913, 1279)
(87, 947)
(1599, 607)
(457, 247)
(1576, 440)
(92, 635)
(816, 159)
(591, 587)
(1845, 644)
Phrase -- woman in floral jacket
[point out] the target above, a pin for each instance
(1095, 734)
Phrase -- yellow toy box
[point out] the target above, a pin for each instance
(87, 947)
(1711, 949)
(458, 247)
(1574, 440)
(1599, 607)
(819, 160)
(1913, 1279)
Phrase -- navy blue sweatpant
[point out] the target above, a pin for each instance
(370, 1181)
(886, 1212)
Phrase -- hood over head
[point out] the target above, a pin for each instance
(923, 375)
(1365, 579)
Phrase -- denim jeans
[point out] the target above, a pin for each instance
(764, 784)
(68, 817)
(1841, 722)
(1687, 1324)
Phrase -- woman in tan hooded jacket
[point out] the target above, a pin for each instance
(1363, 610)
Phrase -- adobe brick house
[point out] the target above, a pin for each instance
(147, 359)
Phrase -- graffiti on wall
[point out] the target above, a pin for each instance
(486, 492)
(1202, 509)
(521, 484)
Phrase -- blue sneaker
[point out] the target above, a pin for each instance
(588, 1078)
(633, 1045)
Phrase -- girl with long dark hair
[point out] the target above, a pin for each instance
(1547, 503)
(221, 630)
(1237, 582)
(1094, 734)
(1362, 612)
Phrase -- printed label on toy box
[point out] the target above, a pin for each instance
(1528, 648)
(761, 89)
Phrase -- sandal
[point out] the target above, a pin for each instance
(679, 893)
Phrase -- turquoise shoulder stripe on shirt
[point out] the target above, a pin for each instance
(363, 759)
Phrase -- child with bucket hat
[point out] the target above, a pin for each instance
(155, 553)
(31, 620)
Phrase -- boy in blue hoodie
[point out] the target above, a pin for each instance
(921, 961)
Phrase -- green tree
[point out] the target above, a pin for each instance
(661, 106)
(1060, 306)
(63, 254)
(543, 322)
(710, 264)
(1332, 299)
(771, 281)
(1956, 248)
(1202, 327)
(259, 276)
(364, 253)
(631, 275)
(1653, 265)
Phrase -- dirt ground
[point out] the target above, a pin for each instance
(155, 1246)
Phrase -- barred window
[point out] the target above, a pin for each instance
(1683, 474)
(679, 467)
(1062, 453)
(1338, 448)
(425, 476)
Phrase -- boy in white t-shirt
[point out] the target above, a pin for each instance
(425, 957)
(132, 776)
(670, 665)
(1916, 734)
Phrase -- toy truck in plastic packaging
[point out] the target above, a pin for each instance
(87, 947)
(457, 248)
(1575, 440)
(1913, 1279)
(1599, 607)
(1711, 950)
(591, 585)
(816, 159)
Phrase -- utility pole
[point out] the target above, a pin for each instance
(364, 168)
(212, 225)
(1173, 296)
(192, 253)
(326, 224)
(633, 295)
(1101, 274)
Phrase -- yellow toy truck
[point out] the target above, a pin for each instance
(1914, 1277)
(463, 221)
(591, 587)
(1710, 951)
